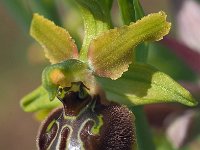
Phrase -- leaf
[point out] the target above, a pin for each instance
(38, 100)
(108, 3)
(63, 74)
(57, 43)
(139, 12)
(127, 11)
(111, 53)
(143, 84)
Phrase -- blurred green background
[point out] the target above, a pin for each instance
(22, 61)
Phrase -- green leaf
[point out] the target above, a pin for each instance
(143, 84)
(96, 16)
(108, 4)
(111, 53)
(63, 74)
(139, 12)
(127, 11)
(38, 100)
(57, 43)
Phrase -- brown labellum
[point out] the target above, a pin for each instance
(86, 124)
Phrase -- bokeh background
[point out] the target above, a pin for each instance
(22, 61)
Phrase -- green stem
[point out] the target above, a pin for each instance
(143, 131)
(144, 137)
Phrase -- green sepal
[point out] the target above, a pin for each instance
(96, 17)
(56, 41)
(143, 84)
(38, 100)
(63, 74)
(111, 53)
(42, 114)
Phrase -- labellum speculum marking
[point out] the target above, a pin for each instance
(85, 124)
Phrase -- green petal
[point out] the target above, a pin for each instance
(63, 74)
(38, 100)
(57, 43)
(143, 84)
(111, 53)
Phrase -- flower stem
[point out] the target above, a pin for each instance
(144, 137)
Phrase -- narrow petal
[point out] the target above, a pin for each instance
(56, 41)
(111, 53)
(38, 100)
